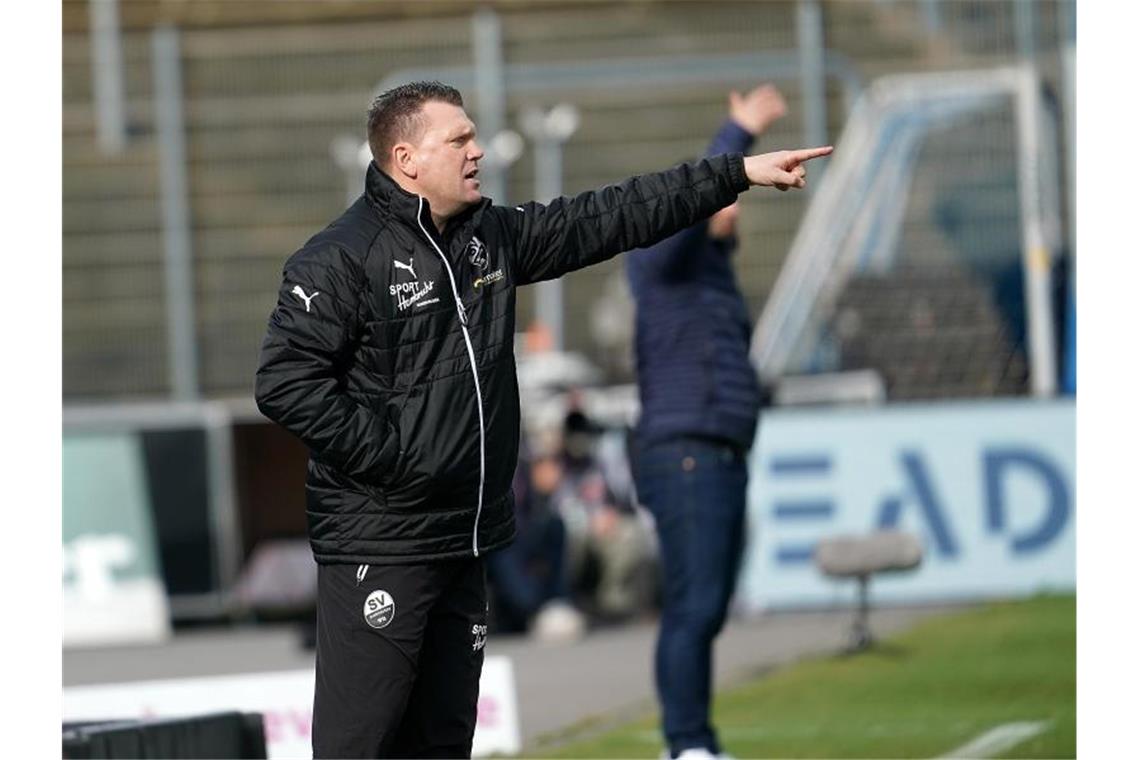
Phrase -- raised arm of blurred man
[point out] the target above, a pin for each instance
(700, 400)
(390, 354)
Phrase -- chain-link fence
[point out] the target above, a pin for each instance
(263, 106)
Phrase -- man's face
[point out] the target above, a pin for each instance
(447, 159)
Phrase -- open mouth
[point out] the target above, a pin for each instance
(473, 174)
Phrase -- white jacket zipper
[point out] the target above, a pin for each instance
(474, 374)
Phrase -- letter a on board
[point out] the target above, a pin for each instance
(921, 488)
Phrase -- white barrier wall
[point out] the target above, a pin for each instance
(285, 700)
(988, 486)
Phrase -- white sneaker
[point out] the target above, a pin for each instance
(697, 753)
(558, 623)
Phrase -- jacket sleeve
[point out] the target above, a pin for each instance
(667, 258)
(730, 138)
(298, 383)
(571, 233)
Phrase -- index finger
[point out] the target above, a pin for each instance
(806, 154)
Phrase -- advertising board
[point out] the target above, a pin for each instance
(987, 486)
(112, 587)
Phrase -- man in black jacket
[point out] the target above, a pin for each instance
(700, 399)
(390, 355)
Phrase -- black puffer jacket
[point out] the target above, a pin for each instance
(391, 352)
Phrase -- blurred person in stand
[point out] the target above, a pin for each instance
(700, 402)
(606, 533)
(390, 355)
(528, 578)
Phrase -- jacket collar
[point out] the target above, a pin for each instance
(389, 198)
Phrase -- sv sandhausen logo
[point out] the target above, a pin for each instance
(379, 609)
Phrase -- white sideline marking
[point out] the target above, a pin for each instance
(997, 740)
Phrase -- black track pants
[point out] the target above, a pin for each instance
(399, 654)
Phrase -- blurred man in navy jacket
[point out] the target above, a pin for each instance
(700, 400)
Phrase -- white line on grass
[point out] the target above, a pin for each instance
(998, 740)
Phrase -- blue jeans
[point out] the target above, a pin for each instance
(529, 572)
(695, 489)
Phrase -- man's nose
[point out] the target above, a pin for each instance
(476, 152)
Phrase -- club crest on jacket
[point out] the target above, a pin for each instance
(477, 253)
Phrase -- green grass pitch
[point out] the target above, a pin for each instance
(920, 694)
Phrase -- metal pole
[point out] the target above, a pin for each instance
(490, 89)
(227, 542)
(549, 131)
(180, 326)
(932, 15)
(1025, 27)
(548, 186)
(1068, 88)
(352, 156)
(813, 77)
(107, 75)
(1068, 85)
(1036, 256)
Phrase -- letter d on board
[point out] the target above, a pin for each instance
(997, 463)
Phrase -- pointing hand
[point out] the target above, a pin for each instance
(783, 168)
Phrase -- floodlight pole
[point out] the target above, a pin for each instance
(813, 78)
(182, 348)
(490, 91)
(1025, 29)
(107, 75)
(549, 131)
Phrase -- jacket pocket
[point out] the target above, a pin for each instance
(394, 461)
(392, 454)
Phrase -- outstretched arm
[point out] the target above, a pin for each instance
(570, 233)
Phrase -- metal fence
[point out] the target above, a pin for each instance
(263, 106)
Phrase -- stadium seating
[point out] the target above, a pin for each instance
(931, 333)
(263, 104)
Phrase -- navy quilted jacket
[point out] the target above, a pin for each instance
(693, 332)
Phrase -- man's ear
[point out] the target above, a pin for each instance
(404, 160)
